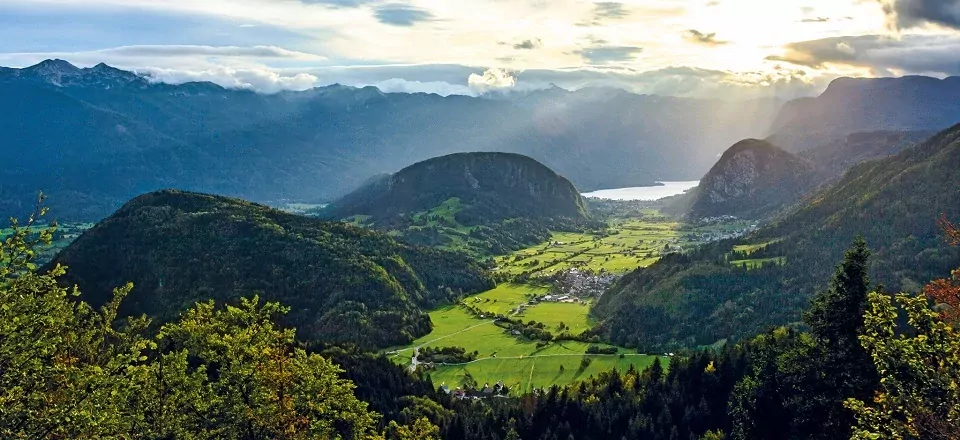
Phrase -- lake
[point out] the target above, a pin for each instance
(645, 193)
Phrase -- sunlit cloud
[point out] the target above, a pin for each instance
(704, 38)
(881, 55)
(492, 79)
(578, 41)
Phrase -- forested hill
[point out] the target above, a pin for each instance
(721, 291)
(344, 284)
(752, 179)
(490, 187)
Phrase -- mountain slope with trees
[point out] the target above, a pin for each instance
(68, 370)
(483, 203)
(702, 297)
(490, 187)
(345, 284)
(752, 179)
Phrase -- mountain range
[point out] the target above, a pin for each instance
(93, 138)
(848, 106)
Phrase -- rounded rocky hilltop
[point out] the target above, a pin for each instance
(488, 187)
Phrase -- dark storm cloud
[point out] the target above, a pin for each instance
(910, 54)
(698, 37)
(397, 14)
(911, 13)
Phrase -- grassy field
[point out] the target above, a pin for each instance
(523, 375)
(506, 297)
(757, 262)
(503, 357)
(747, 249)
(628, 244)
(66, 234)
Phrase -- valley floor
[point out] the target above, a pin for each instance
(523, 364)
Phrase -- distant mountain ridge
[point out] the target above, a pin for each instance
(93, 138)
(852, 105)
(345, 284)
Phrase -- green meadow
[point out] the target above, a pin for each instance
(759, 262)
(627, 245)
(519, 363)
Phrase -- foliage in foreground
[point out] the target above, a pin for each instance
(919, 364)
(69, 371)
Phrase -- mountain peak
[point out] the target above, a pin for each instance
(487, 186)
(53, 71)
(103, 67)
(751, 179)
(57, 65)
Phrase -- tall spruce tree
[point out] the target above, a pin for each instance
(809, 376)
(836, 367)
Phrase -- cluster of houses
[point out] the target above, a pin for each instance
(559, 299)
(577, 283)
(497, 390)
(708, 237)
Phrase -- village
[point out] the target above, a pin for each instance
(476, 393)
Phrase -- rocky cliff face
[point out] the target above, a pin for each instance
(753, 178)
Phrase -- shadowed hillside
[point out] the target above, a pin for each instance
(345, 284)
(738, 288)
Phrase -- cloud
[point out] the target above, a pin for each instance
(606, 11)
(211, 51)
(883, 55)
(681, 81)
(528, 44)
(399, 85)
(698, 37)
(396, 14)
(904, 14)
(610, 10)
(262, 80)
(187, 57)
(339, 3)
(609, 54)
(492, 79)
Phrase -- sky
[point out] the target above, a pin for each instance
(728, 49)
